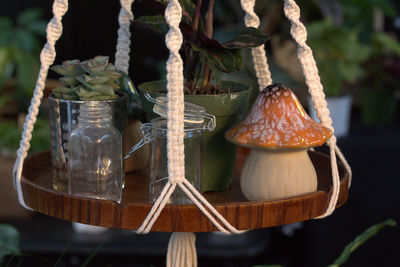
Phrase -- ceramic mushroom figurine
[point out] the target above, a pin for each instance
(279, 132)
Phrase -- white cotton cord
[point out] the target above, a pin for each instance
(175, 134)
(313, 81)
(308, 64)
(175, 124)
(124, 36)
(200, 201)
(258, 53)
(156, 209)
(345, 163)
(182, 250)
(47, 56)
(335, 180)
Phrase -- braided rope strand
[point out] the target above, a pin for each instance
(182, 250)
(258, 53)
(124, 36)
(313, 81)
(175, 135)
(47, 56)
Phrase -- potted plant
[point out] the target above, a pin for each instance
(91, 80)
(204, 56)
(377, 97)
(339, 54)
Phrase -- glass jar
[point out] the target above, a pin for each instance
(95, 163)
(155, 133)
(63, 114)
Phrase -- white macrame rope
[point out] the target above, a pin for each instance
(175, 134)
(182, 250)
(124, 36)
(47, 56)
(310, 70)
(345, 163)
(258, 53)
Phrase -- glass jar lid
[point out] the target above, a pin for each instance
(193, 113)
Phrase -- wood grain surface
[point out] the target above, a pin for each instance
(130, 213)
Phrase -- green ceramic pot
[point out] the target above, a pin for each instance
(218, 154)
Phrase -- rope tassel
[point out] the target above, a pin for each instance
(182, 250)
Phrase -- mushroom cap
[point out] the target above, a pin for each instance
(277, 120)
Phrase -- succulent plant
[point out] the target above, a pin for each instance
(93, 79)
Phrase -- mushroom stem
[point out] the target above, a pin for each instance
(269, 174)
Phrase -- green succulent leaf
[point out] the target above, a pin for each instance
(96, 79)
(68, 68)
(110, 66)
(69, 80)
(104, 89)
(114, 85)
(95, 65)
(249, 37)
(9, 241)
(82, 92)
(68, 96)
(64, 90)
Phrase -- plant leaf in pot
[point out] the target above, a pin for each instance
(204, 56)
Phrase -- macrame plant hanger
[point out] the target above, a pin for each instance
(181, 247)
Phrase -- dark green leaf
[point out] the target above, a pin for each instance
(249, 37)
(27, 72)
(4, 60)
(9, 240)
(226, 60)
(6, 24)
(37, 27)
(29, 15)
(25, 41)
(156, 24)
(359, 240)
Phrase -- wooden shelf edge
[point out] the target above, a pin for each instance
(178, 218)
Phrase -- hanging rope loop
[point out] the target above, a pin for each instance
(124, 36)
(258, 53)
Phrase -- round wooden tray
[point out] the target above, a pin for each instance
(39, 195)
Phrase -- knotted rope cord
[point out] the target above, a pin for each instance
(175, 134)
(310, 71)
(47, 56)
(258, 53)
(124, 36)
(181, 250)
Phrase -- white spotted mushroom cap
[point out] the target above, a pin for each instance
(277, 120)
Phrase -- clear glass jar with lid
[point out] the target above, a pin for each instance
(155, 133)
(95, 154)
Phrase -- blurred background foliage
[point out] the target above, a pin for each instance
(21, 40)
